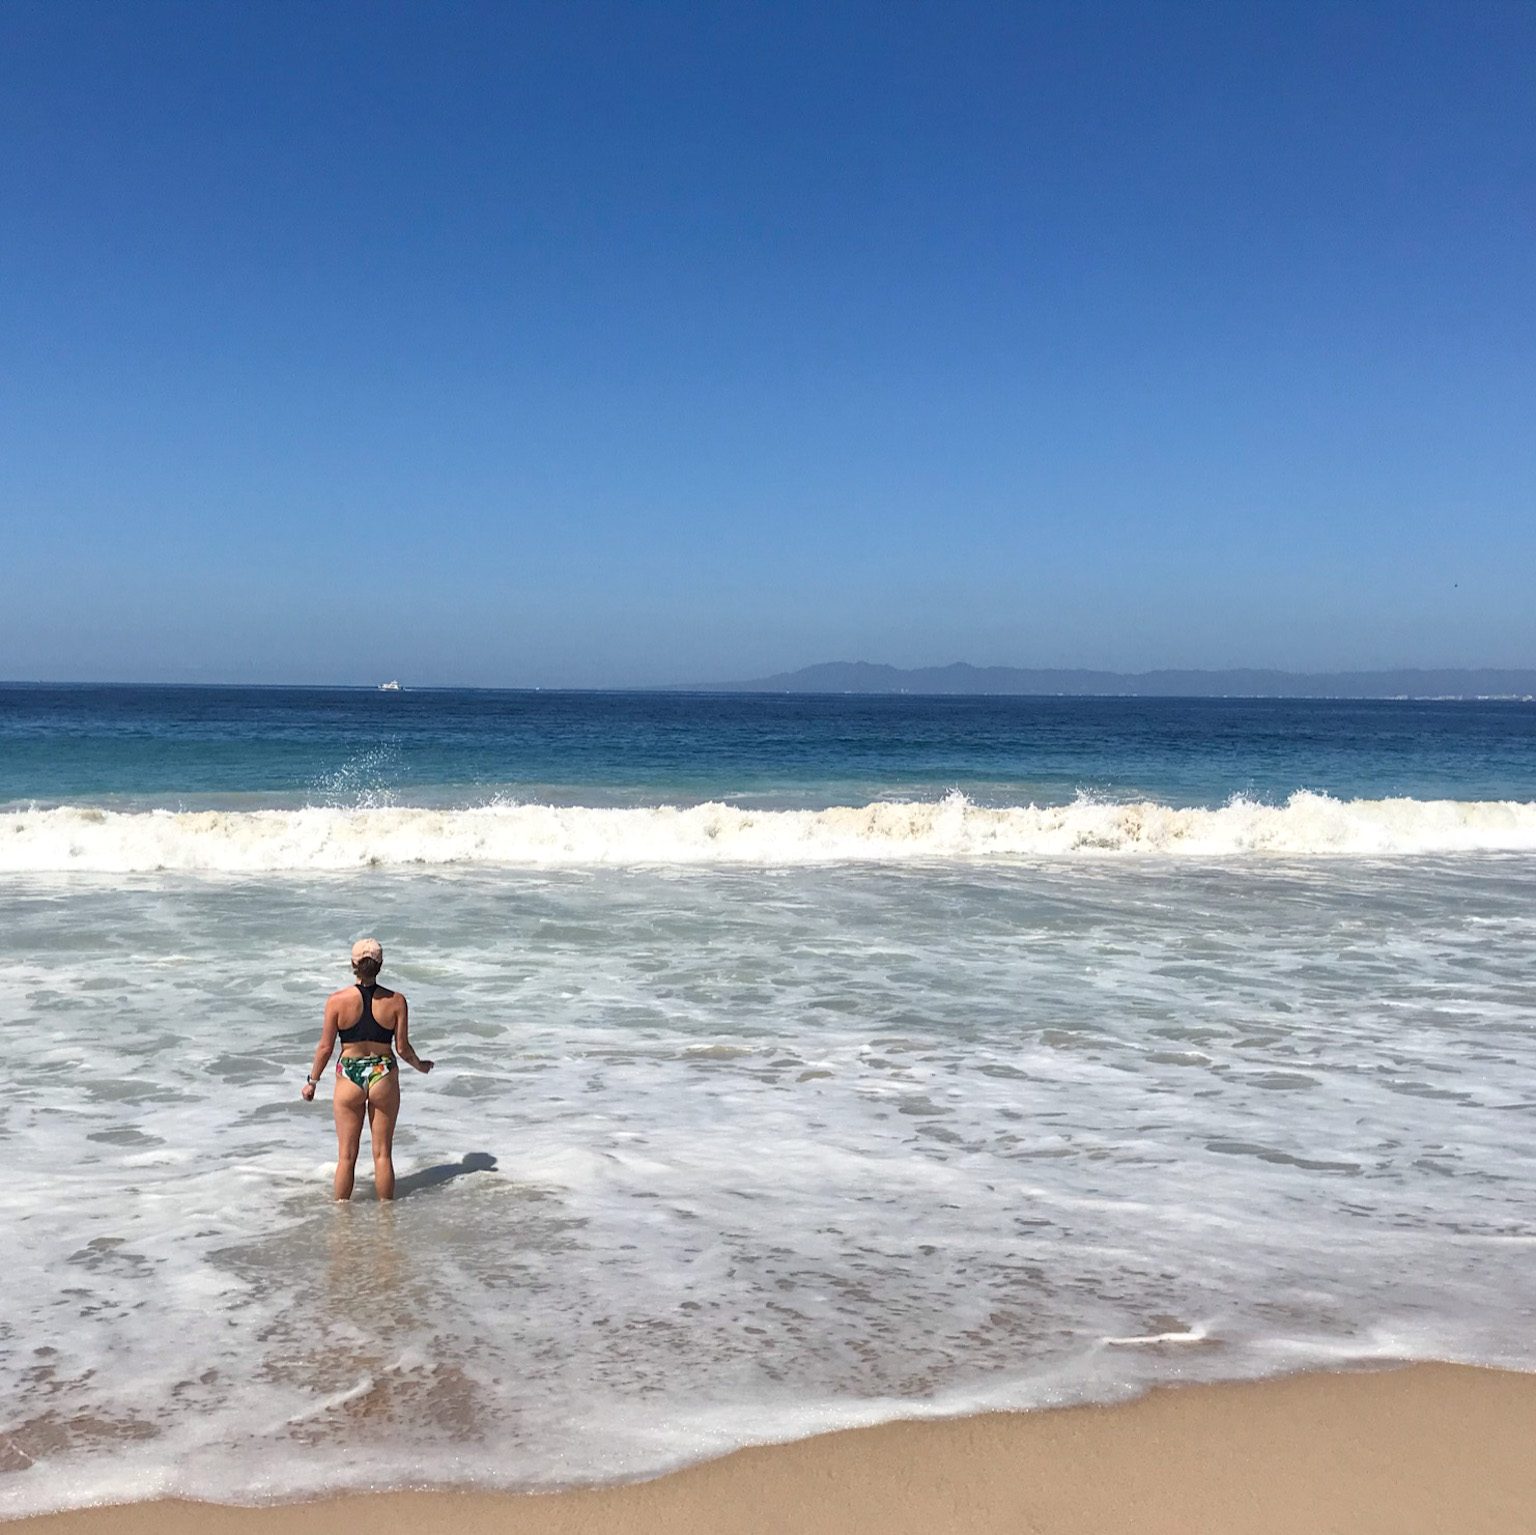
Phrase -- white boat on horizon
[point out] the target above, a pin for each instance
(389, 687)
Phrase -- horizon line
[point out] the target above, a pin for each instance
(755, 686)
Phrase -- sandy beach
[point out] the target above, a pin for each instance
(1428, 1448)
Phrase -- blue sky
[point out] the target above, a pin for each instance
(581, 345)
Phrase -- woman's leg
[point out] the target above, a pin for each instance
(383, 1111)
(347, 1104)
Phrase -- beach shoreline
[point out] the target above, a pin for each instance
(1417, 1448)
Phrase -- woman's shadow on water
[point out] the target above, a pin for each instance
(445, 1172)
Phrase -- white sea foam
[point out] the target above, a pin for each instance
(89, 839)
(742, 1156)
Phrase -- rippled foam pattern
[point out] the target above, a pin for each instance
(717, 1155)
(95, 840)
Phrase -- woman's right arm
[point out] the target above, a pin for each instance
(322, 1051)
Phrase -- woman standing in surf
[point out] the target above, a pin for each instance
(372, 1025)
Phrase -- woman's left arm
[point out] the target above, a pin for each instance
(403, 1041)
(322, 1052)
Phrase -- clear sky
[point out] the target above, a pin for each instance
(595, 344)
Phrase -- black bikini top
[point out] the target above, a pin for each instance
(367, 1030)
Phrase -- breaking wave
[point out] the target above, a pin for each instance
(86, 839)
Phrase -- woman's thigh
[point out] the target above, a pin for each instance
(383, 1111)
(348, 1104)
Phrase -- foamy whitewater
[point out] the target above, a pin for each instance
(98, 841)
(1167, 1044)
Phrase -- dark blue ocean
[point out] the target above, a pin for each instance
(195, 747)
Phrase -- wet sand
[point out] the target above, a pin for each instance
(1427, 1448)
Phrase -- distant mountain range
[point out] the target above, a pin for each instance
(866, 677)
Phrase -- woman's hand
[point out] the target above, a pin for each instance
(307, 1092)
(423, 1066)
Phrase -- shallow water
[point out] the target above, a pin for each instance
(723, 1153)
(803, 1062)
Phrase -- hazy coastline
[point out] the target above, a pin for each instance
(962, 679)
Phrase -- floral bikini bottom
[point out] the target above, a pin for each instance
(365, 1070)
